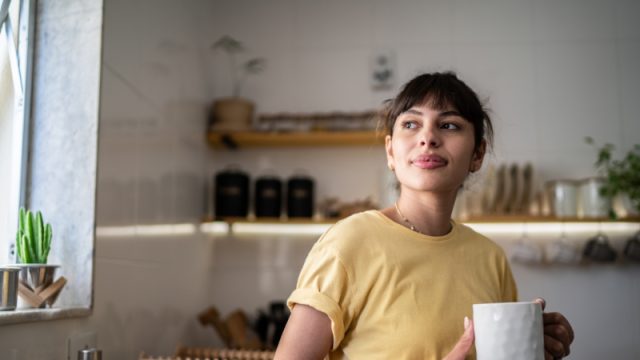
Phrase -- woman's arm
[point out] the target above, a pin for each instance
(307, 335)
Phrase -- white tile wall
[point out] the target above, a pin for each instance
(574, 20)
(628, 91)
(626, 12)
(476, 21)
(405, 24)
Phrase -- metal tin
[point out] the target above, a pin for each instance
(9, 287)
(90, 354)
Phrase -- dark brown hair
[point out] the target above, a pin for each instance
(439, 91)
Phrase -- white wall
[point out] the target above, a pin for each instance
(554, 72)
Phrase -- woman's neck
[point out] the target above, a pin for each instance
(429, 213)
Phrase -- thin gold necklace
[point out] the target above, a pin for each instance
(411, 226)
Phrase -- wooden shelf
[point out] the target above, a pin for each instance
(243, 139)
(542, 219)
(271, 220)
(243, 227)
(476, 219)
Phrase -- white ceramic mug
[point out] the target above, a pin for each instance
(508, 331)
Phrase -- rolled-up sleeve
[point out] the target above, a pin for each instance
(324, 285)
(509, 287)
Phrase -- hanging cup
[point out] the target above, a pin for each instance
(632, 248)
(561, 252)
(598, 249)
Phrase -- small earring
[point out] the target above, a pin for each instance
(390, 167)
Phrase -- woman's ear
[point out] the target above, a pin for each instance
(389, 151)
(478, 157)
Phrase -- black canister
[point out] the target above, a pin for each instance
(268, 197)
(231, 194)
(300, 197)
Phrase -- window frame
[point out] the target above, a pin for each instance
(21, 64)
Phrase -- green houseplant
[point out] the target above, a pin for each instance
(235, 112)
(622, 176)
(33, 239)
(33, 243)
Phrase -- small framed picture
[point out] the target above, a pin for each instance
(382, 70)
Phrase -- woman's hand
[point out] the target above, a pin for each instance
(465, 343)
(558, 334)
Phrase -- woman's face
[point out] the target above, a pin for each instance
(432, 150)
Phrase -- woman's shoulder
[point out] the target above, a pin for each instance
(352, 229)
(360, 218)
(472, 237)
(358, 223)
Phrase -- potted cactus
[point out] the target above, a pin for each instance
(234, 112)
(33, 242)
(33, 239)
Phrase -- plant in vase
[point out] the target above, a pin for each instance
(622, 176)
(235, 112)
(33, 242)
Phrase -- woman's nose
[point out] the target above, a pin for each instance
(430, 138)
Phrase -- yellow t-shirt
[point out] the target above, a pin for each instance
(392, 293)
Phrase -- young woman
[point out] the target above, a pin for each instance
(399, 283)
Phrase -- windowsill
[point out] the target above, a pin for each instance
(30, 315)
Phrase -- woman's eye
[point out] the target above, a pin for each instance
(409, 125)
(449, 126)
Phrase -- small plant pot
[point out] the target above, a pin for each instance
(9, 287)
(623, 206)
(231, 114)
(35, 279)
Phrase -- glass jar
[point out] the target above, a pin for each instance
(563, 195)
(591, 204)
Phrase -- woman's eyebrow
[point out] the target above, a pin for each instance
(449, 113)
(443, 114)
(412, 111)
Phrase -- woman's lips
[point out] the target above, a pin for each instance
(429, 161)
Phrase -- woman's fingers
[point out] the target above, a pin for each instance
(554, 347)
(558, 333)
(465, 343)
(561, 329)
(541, 301)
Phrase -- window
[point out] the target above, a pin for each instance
(16, 29)
(59, 117)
